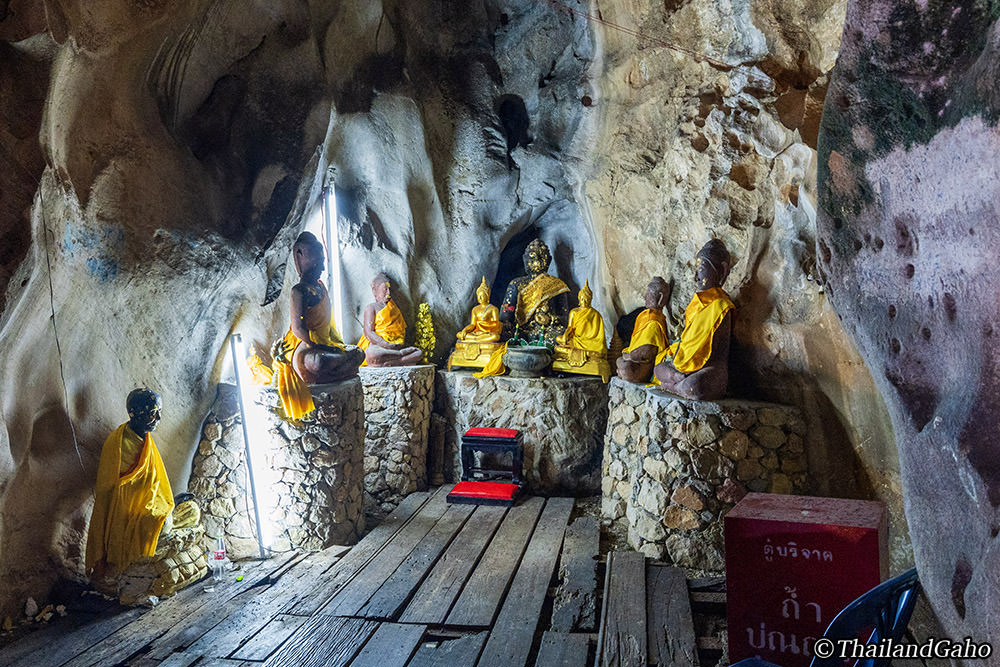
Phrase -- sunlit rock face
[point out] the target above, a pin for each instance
(908, 242)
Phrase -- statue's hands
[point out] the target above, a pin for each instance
(280, 350)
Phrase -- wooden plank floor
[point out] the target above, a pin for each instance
(434, 584)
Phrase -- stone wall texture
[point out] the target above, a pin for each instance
(673, 468)
(562, 420)
(398, 405)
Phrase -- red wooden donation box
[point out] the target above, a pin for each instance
(792, 563)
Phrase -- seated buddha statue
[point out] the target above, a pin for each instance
(477, 341)
(312, 351)
(582, 348)
(132, 497)
(384, 330)
(697, 366)
(534, 305)
(649, 335)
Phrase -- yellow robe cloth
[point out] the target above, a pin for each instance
(296, 400)
(650, 329)
(541, 288)
(485, 325)
(129, 507)
(495, 365)
(389, 324)
(588, 330)
(701, 319)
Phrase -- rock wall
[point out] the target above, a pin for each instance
(562, 421)
(397, 419)
(673, 468)
(908, 239)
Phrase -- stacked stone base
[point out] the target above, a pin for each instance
(179, 561)
(397, 416)
(673, 468)
(562, 420)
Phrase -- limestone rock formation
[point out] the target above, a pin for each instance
(908, 241)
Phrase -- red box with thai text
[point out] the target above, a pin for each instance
(792, 563)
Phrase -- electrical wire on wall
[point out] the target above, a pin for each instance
(55, 330)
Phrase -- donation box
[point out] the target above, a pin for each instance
(792, 563)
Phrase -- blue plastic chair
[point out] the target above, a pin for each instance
(887, 608)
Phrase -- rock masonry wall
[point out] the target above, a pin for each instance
(317, 467)
(397, 406)
(562, 419)
(674, 467)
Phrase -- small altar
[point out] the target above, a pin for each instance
(398, 404)
(674, 467)
(563, 421)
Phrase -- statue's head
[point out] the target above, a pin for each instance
(657, 293)
(586, 295)
(483, 293)
(537, 257)
(711, 265)
(143, 407)
(308, 254)
(381, 288)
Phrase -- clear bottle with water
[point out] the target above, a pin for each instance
(217, 564)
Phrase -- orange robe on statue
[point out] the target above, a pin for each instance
(701, 318)
(296, 400)
(650, 329)
(132, 499)
(389, 324)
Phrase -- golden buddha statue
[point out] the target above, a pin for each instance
(481, 338)
(581, 348)
(697, 366)
(385, 329)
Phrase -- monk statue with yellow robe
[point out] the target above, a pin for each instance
(312, 352)
(697, 366)
(581, 348)
(649, 335)
(385, 329)
(477, 341)
(134, 522)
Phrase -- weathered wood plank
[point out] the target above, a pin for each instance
(574, 608)
(360, 554)
(171, 617)
(668, 613)
(451, 652)
(324, 641)
(267, 640)
(392, 645)
(218, 638)
(179, 660)
(353, 596)
(562, 649)
(46, 648)
(388, 600)
(435, 596)
(623, 628)
(511, 639)
(477, 604)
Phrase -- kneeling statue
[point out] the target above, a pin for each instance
(384, 330)
(697, 366)
(135, 521)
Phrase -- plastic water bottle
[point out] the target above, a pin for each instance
(217, 563)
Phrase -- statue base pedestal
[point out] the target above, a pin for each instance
(315, 469)
(674, 467)
(563, 421)
(397, 415)
(581, 362)
(471, 355)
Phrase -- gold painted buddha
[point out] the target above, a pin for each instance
(481, 337)
(582, 348)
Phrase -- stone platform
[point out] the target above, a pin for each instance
(563, 421)
(673, 467)
(316, 468)
(397, 417)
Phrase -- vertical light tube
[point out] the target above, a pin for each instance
(332, 234)
(233, 340)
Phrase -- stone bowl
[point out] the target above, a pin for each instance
(527, 361)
